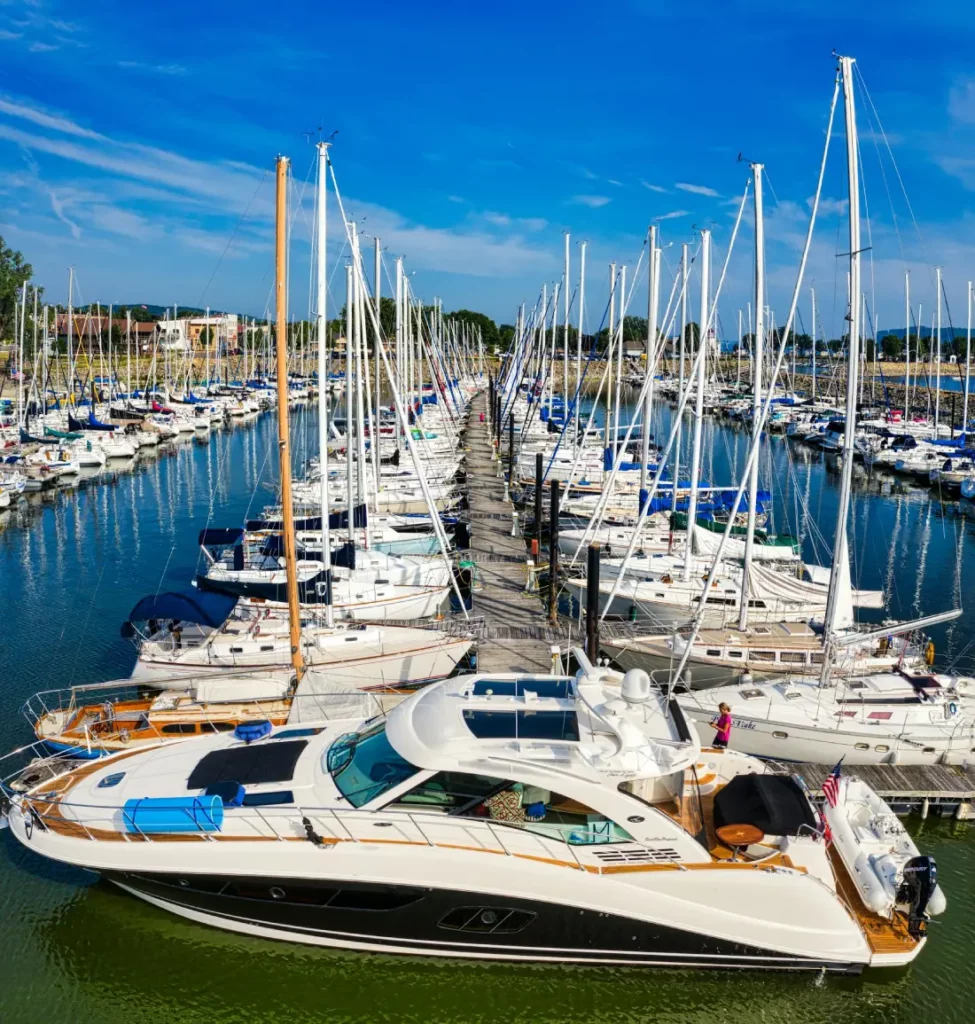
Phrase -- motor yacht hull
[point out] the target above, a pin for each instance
(422, 921)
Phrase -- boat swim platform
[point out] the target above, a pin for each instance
(940, 789)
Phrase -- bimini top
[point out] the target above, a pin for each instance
(596, 725)
(202, 607)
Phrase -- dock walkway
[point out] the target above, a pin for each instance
(518, 635)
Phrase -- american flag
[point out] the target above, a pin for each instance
(831, 784)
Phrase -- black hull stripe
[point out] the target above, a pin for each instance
(355, 939)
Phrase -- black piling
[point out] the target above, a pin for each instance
(539, 483)
(511, 448)
(553, 554)
(592, 603)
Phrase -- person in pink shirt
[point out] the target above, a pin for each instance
(723, 726)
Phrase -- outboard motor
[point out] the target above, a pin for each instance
(916, 890)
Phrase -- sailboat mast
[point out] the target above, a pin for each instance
(582, 298)
(840, 571)
(284, 448)
(759, 342)
(565, 331)
(698, 400)
(320, 307)
(968, 367)
(907, 344)
(937, 353)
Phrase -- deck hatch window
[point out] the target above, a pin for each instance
(249, 765)
(734, 654)
(557, 688)
(526, 725)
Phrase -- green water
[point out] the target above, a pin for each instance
(73, 949)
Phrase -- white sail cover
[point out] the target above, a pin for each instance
(706, 544)
(318, 700)
(766, 583)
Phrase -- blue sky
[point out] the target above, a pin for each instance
(137, 141)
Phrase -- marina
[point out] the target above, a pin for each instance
(366, 658)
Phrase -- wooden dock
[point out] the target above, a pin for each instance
(517, 635)
(946, 790)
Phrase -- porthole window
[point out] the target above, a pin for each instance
(882, 748)
(862, 746)
(111, 780)
(780, 735)
(276, 892)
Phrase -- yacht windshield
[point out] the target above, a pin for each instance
(364, 765)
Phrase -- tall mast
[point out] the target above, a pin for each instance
(565, 331)
(70, 332)
(907, 344)
(698, 400)
(610, 340)
(937, 353)
(321, 323)
(377, 289)
(968, 367)
(582, 298)
(812, 302)
(684, 273)
(840, 573)
(284, 448)
(349, 321)
(651, 349)
(759, 342)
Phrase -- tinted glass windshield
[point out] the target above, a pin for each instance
(364, 765)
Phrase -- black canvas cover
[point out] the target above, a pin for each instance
(774, 803)
(249, 765)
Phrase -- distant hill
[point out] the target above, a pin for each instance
(947, 333)
(160, 311)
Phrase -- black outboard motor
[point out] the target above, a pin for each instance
(920, 881)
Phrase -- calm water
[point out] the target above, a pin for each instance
(75, 949)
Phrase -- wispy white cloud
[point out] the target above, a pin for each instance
(593, 202)
(961, 101)
(698, 190)
(58, 207)
(227, 189)
(830, 207)
(455, 199)
(613, 181)
(654, 188)
(672, 215)
(42, 118)
(7, 36)
(40, 47)
(155, 69)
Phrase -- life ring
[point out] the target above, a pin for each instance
(929, 653)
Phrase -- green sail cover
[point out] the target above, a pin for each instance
(63, 434)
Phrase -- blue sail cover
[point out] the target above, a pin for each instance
(336, 521)
(219, 537)
(94, 424)
(204, 607)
